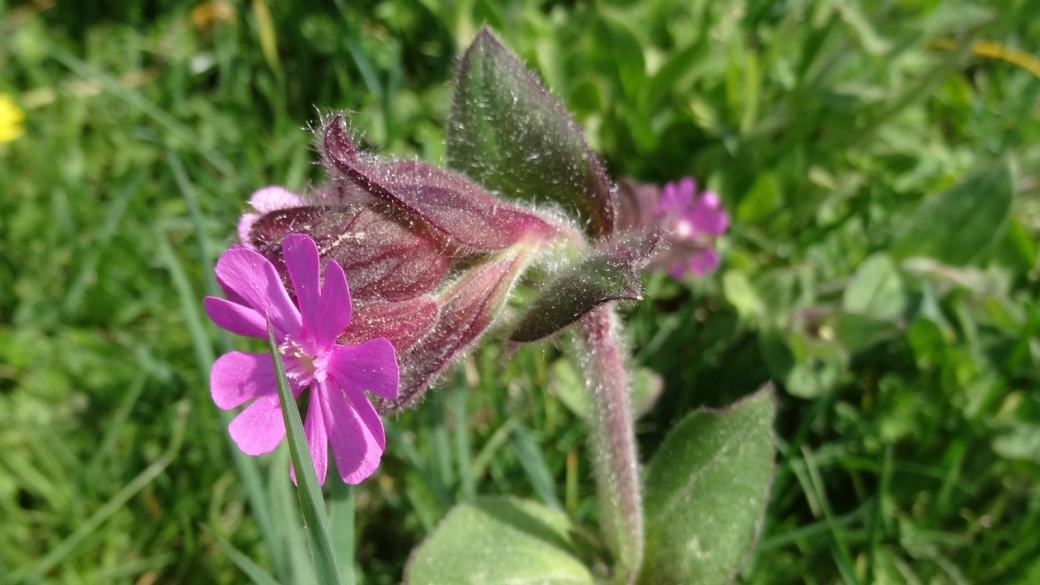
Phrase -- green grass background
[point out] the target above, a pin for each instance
(910, 448)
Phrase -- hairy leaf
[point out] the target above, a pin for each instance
(498, 540)
(508, 134)
(610, 275)
(706, 492)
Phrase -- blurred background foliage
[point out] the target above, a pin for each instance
(879, 158)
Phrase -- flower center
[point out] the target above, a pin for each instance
(299, 365)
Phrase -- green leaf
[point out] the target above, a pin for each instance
(626, 53)
(706, 493)
(956, 225)
(860, 332)
(495, 540)
(807, 367)
(341, 526)
(740, 293)
(853, 15)
(315, 519)
(876, 290)
(760, 200)
(508, 134)
(1022, 442)
(535, 467)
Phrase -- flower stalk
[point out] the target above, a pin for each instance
(612, 442)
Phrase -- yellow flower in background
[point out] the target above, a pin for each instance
(11, 118)
(205, 14)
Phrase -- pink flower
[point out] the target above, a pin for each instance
(691, 224)
(264, 201)
(339, 412)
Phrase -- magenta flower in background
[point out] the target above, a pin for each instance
(339, 412)
(264, 201)
(692, 219)
(690, 223)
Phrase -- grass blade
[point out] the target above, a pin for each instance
(341, 520)
(246, 466)
(537, 470)
(315, 519)
(135, 99)
(251, 569)
(463, 453)
(58, 554)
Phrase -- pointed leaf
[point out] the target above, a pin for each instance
(706, 493)
(608, 275)
(954, 226)
(508, 134)
(498, 540)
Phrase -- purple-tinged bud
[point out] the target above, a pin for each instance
(448, 202)
(402, 323)
(637, 204)
(384, 258)
(467, 309)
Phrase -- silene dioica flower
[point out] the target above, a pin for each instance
(307, 329)
(432, 256)
(690, 222)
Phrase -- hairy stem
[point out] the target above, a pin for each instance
(612, 442)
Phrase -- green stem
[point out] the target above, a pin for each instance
(612, 442)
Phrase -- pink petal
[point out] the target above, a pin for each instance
(301, 259)
(370, 366)
(255, 281)
(259, 428)
(245, 225)
(677, 270)
(230, 294)
(238, 376)
(335, 309)
(668, 201)
(317, 439)
(235, 318)
(368, 414)
(356, 451)
(685, 192)
(708, 216)
(274, 198)
(704, 261)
